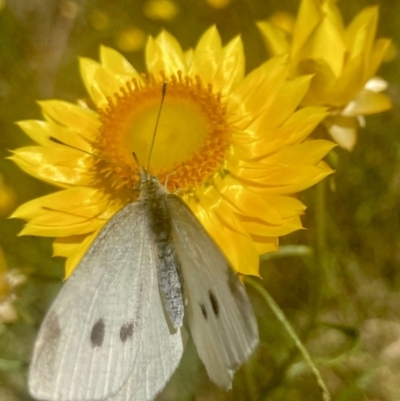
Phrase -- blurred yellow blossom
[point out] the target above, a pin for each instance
(234, 147)
(164, 10)
(9, 280)
(99, 19)
(131, 39)
(219, 4)
(343, 60)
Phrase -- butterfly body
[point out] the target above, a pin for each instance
(154, 199)
(115, 331)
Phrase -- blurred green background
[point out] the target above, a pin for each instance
(338, 282)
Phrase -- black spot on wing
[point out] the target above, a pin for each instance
(126, 332)
(97, 334)
(214, 302)
(204, 311)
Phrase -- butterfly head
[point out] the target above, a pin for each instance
(149, 184)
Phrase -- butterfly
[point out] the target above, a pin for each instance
(117, 329)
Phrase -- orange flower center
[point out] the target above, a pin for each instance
(191, 137)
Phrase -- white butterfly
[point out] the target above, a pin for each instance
(115, 332)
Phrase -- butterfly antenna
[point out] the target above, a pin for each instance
(164, 91)
(55, 140)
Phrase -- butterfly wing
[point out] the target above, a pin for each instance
(159, 357)
(95, 331)
(220, 316)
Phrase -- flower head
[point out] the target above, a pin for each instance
(344, 61)
(232, 146)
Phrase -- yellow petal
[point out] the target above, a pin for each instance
(78, 254)
(237, 247)
(57, 165)
(314, 176)
(89, 70)
(284, 104)
(249, 99)
(230, 70)
(189, 54)
(211, 200)
(275, 39)
(284, 21)
(295, 130)
(76, 204)
(322, 86)
(83, 121)
(66, 246)
(258, 228)
(286, 206)
(165, 54)
(308, 18)
(41, 131)
(265, 244)
(53, 231)
(326, 35)
(99, 82)
(117, 63)
(352, 77)
(311, 14)
(379, 51)
(279, 180)
(246, 202)
(360, 34)
(207, 56)
(367, 102)
(306, 153)
(332, 12)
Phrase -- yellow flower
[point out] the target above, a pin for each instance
(343, 60)
(233, 147)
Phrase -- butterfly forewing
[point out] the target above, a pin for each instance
(96, 331)
(221, 319)
(161, 350)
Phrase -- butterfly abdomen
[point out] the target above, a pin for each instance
(153, 197)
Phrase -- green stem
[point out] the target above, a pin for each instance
(289, 329)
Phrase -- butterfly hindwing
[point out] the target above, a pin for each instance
(96, 334)
(220, 316)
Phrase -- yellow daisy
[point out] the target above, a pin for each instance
(233, 147)
(344, 61)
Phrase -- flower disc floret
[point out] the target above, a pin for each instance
(191, 136)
